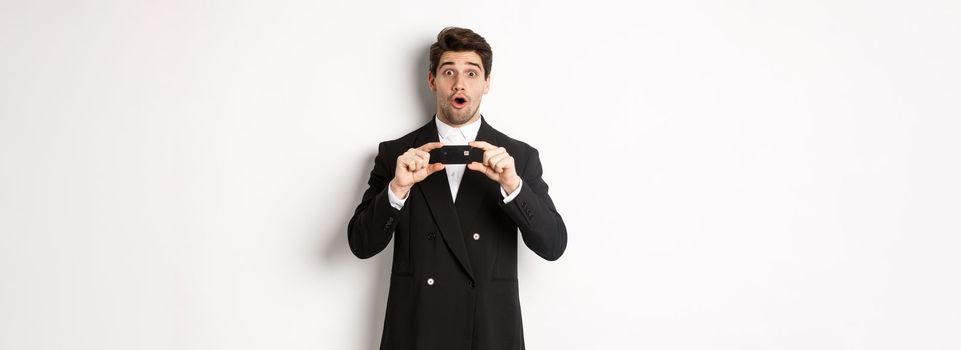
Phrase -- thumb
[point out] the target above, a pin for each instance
(435, 168)
(479, 167)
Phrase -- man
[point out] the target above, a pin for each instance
(453, 283)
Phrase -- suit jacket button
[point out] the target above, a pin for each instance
(430, 281)
(476, 236)
(470, 284)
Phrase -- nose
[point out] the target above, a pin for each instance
(458, 84)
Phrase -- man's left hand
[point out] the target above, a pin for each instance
(497, 165)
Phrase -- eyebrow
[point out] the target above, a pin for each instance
(451, 63)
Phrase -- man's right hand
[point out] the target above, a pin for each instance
(412, 167)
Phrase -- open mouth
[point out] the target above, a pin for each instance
(459, 102)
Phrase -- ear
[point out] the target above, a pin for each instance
(487, 84)
(430, 82)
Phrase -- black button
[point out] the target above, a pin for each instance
(470, 284)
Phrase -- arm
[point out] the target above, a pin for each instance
(541, 226)
(374, 220)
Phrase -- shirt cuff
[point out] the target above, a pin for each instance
(509, 197)
(395, 202)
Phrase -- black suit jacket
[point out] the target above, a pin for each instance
(453, 283)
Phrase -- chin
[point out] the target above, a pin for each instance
(460, 119)
(457, 117)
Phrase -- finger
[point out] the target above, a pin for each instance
(415, 155)
(496, 151)
(427, 147)
(488, 155)
(402, 159)
(503, 164)
(495, 154)
(404, 163)
(422, 155)
(482, 145)
(496, 158)
(412, 165)
(496, 165)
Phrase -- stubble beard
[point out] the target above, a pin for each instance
(458, 117)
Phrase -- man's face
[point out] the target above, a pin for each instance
(459, 86)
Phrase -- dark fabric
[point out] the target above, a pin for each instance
(473, 302)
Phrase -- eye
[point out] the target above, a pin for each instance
(472, 74)
(448, 72)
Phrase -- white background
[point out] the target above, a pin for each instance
(734, 175)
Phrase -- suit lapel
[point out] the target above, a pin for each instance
(436, 191)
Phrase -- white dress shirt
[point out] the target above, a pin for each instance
(450, 135)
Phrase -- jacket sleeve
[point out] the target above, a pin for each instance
(534, 213)
(374, 220)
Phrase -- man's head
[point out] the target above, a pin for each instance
(460, 65)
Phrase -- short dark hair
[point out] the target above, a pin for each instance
(458, 40)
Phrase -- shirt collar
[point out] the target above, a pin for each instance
(469, 130)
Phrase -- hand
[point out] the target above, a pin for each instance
(497, 165)
(412, 167)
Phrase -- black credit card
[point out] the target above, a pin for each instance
(456, 155)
